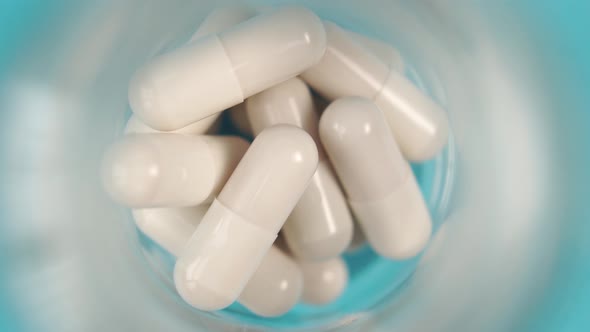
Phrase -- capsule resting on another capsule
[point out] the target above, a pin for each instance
(381, 188)
(347, 69)
(320, 226)
(323, 281)
(220, 70)
(274, 288)
(218, 20)
(169, 170)
(242, 223)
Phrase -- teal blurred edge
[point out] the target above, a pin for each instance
(560, 33)
(18, 26)
(15, 27)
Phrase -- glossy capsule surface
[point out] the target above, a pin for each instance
(273, 289)
(220, 70)
(381, 188)
(320, 226)
(242, 223)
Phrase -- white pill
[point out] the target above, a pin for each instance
(347, 69)
(383, 51)
(323, 282)
(320, 226)
(381, 188)
(242, 223)
(218, 20)
(274, 288)
(220, 70)
(169, 170)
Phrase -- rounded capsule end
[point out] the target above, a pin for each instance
(315, 34)
(186, 85)
(347, 119)
(320, 226)
(397, 226)
(434, 145)
(419, 124)
(145, 102)
(275, 288)
(323, 281)
(196, 294)
(296, 145)
(130, 172)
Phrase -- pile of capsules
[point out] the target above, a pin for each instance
(217, 202)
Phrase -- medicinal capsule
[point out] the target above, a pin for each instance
(381, 50)
(323, 281)
(242, 223)
(381, 188)
(169, 170)
(220, 70)
(320, 226)
(275, 287)
(347, 69)
(218, 20)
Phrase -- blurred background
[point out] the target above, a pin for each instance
(513, 253)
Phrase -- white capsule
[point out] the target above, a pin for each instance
(383, 51)
(381, 188)
(218, 20)
(323, 282)
(273, 289)
(169, 170)
(348, 69)
(243, 222)
(320, 226)
(220, 70)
